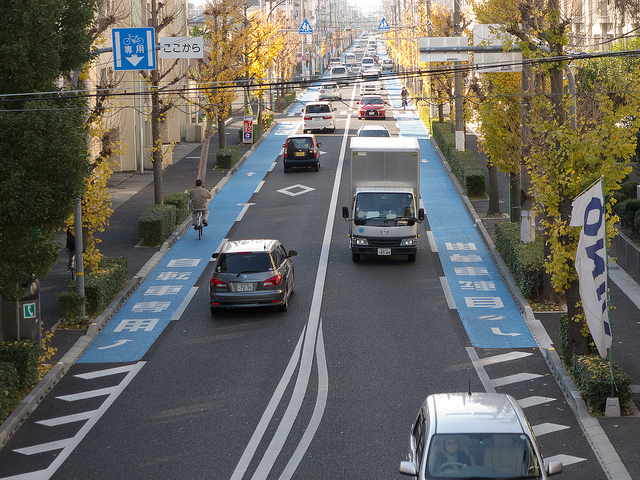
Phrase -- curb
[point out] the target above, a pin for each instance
(59, 370)
(609, 460)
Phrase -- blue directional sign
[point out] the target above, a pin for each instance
(383, 26)
(134, 49)
(305, 28)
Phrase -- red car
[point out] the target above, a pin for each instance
(372, 106)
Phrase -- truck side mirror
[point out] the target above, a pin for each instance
(421, 214)
(345, 212)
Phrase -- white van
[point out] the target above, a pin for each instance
(339, 74)
(350, 59)
(318, 116)
(367, 62)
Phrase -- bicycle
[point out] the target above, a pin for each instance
(71, 266)
(199, 222)
(405, 102)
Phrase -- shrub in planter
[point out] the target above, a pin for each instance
(102, 285)
(69, 303)
(227, 157)
(156, 224)
(25, 357)
(181, 202)
(592, 376)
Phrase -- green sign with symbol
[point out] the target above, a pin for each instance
(29, 310)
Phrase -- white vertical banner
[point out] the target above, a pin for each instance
(591, 257)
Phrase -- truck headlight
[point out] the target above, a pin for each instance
(408, 242)
(360, 241)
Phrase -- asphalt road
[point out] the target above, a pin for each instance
(328, 389)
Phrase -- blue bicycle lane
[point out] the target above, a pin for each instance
(168, 288)
(485, 305)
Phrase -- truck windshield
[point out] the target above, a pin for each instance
(384, 206)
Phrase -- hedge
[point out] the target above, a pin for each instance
(181, 201)
(156, 224)
(24, 355)
(284, 102)
(592, 376)
(8, 388)
(227, 157)
(627, 210)
(525, 260)
(464, 165)
(100, 287)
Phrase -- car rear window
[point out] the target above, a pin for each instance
(338, 70)
(374, 133)
(244, 262)
(318, 109)
(300, 143)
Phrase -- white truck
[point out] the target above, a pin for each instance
(385, 197)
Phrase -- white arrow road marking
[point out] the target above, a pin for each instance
(250, 174)
(117, 344)
(496, 331)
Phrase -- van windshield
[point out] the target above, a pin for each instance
(384, 206)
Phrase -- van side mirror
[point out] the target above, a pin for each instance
(214, 255)
(292, 253)
(421, 214)
(345, 212)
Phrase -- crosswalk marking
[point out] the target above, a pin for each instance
(545, 428)
(504, 357)
(518, 377)
(88, 394)
(565, 459)
(534, 400)
(44, 447)
(77, 417)
(105, 373)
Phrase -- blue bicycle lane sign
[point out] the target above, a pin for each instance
(133, 49)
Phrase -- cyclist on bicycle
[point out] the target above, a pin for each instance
(71, 248)
(199, 199)
(404, 94)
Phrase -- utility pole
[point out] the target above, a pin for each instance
(459, 109)
(156, 147)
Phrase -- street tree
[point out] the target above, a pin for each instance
(43, 142)
(563, 160)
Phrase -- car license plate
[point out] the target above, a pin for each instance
(384, 251)
(372, 112)
(245, 287)
(300, 154)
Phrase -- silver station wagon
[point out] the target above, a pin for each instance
(251, 273)
(474, 435)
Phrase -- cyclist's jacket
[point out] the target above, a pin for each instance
(199, 197)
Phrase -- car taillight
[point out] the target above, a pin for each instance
(328, 117)
(273, 281)
(215, 283)
(307, 118)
